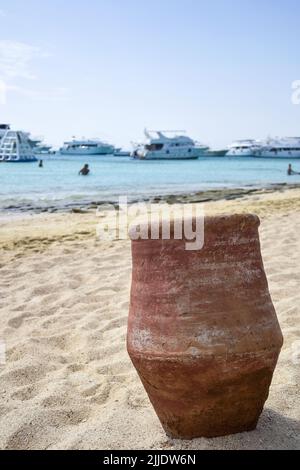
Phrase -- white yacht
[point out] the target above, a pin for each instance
(161, 147)
(86, 147)
(244, 148)
(43, 149)
(119, 152)
(286, 147)
(38, 145)
(15, 147)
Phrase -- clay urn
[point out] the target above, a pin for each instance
(202, 331)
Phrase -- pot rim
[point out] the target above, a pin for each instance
(231, 222)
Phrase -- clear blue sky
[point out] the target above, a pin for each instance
(221, 69)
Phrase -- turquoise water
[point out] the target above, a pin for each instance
(25, 186)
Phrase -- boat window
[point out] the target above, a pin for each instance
(154, 147)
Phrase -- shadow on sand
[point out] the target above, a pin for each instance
(274, 431)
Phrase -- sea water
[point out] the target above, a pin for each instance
(26, 187)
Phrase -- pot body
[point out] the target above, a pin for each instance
(202, 331)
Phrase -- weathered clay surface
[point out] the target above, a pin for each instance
(203, 333)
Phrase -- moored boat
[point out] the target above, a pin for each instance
(216, 153)
(86, 147)
(121, 153)
(286, 147)
(161, 147)
(38, 145)
(244, 148)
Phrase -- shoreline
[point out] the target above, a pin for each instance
(35, 232)
(183, 197)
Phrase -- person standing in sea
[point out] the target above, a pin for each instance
(85, 170)
(290, 171)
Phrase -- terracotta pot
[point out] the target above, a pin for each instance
(203, 333)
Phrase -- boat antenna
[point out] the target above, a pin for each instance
(146, 132)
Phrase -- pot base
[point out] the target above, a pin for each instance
(209, 434)
(208, 398)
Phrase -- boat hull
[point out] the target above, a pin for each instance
(282, 155)
(216, 153)
(87, 152)
(235, 153)
(193, 154)
(166, 158)
(20, 161)
(125, 154)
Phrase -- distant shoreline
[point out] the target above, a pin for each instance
(204, 196)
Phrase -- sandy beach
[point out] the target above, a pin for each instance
(68, 382)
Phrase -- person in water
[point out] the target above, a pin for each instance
(290, 171)
(41, 164)
(85, 170)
